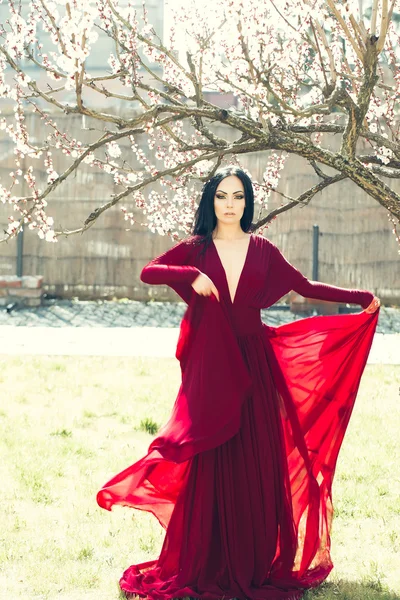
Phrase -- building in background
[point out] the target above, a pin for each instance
(97, 62)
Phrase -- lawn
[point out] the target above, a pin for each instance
(67, 424)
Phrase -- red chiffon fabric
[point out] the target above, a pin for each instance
(241, 474)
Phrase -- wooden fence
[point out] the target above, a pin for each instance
(356, 248)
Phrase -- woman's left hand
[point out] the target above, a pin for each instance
(373, 306)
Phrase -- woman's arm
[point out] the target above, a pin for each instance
(170, 267)
(290, 278)
(323, 291)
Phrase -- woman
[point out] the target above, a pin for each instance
(241, 475)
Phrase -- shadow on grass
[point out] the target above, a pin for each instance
(342, 590)
(351, 590)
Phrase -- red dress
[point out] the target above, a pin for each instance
(241, 474)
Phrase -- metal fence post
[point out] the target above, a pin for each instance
(315, 252)
(20, 250)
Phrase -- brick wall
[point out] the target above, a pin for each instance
(25, 291)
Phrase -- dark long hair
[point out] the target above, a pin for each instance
(205, 219)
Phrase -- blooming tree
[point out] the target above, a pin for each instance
(300, 71)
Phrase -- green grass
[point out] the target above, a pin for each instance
(68, 425)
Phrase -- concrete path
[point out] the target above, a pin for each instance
(132, 341)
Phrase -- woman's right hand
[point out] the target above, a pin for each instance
(204, 286)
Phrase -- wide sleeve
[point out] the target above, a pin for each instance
(171, 268)
(286, 277)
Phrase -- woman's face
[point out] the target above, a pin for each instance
(229, 198)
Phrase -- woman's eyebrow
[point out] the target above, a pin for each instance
(222, 192)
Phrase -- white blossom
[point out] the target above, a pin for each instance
(113, 149)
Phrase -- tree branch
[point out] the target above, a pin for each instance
(304, 199)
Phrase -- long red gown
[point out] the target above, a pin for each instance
(241, 474)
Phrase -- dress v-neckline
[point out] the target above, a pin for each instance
(241, 272)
